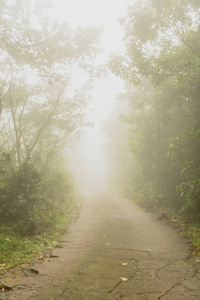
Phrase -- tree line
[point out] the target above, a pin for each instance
(41, 110)
(161, 164)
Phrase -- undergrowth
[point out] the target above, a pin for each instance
(16, 249)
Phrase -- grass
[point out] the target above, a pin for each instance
(189, 230)
(192, 233)
(16, 250)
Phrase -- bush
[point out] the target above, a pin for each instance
(30, 200)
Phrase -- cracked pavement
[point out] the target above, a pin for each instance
(114, 250)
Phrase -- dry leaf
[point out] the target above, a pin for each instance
(124, 264)
(123, 278)
(198, 260)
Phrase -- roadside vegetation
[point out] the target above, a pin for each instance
(17, 249)
(35, 210)
(156, 154)
(41, 112)
(160, 165)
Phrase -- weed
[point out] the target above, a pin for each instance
(15, 249)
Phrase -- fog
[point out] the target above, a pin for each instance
(64, 115)
(87, 159)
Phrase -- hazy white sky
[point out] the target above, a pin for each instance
(90, 12)
(100, 13)
(105, 14)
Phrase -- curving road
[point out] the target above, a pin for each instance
(113, 250)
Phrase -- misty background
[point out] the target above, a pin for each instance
(98, 96)
(90, 154)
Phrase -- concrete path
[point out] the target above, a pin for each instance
(114, 250)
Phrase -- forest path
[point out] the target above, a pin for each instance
(113, 250)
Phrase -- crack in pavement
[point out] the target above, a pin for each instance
(63, 291)
(115, 286)
(180, 283)
(167, 291)
(158, 265)
(165, 266)
(121, 296)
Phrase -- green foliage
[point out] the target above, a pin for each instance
(19, 193)
(15, 249)
(40, 107)
(41, 111)
(162, 41)
(31, 201)
(193, 234)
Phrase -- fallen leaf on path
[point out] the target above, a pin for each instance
(123, 278)
(108, 243)
(197, 260)
(5, 288)
(124, 264)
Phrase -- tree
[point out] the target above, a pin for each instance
(38, 97)
(42, 109)
(162, 59)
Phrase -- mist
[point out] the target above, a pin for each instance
(87, 164)
(99, 98)
(89, 157)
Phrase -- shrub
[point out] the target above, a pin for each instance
(30, 201)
